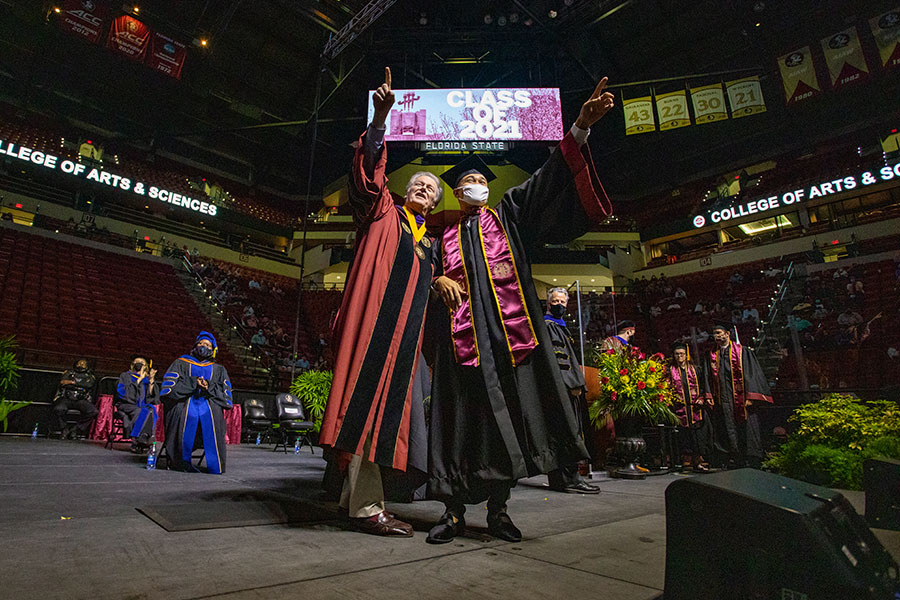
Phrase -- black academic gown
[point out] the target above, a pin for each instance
(195, 418)
(572, 375)
(736, 431)
(493, 424)
(137, 401)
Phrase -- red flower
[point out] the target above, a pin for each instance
(623, 372)
(660, 398)
(652, 370)
(610, 351)
(641, 356)
(641, 385)
(614, 396)
(604, 380)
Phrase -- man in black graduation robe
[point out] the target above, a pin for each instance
(736, 385)
(75, 392)
(499, 408)
(196, 392)
(568, 479)
(136, 398)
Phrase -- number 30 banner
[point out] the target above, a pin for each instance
(709, 104)
(639, 115)
(745, 97)
(673, 110)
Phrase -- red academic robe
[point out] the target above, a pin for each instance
(379, 327)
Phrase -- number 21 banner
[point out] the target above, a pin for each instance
(745, 97)
(673, 110)
(639, 115)
(709, 104)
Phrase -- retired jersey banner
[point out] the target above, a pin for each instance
(166, 55)
(84, 18)
(844, 57)
(798, 72)
(709, 103)
(129, 37)
(886, 29)
(639, 115)
(745, 97)
(673, 110)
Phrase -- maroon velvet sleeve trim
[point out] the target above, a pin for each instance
(758, 397)
(590, 190)
(375, 188)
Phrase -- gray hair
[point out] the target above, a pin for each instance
(557, 290)
(440, 186)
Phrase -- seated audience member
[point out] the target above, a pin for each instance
(302, 363)
(248, 311)
(893, 353)
(819, 312)
(136, 396)
(655, 311)
(750, 315)
(259, 339)
(849, 317)
(253, 285)
(680, 293)
(75, 392)
(737, 278)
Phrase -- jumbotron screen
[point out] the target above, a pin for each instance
(495, 114)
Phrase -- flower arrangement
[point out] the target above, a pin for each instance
(632, 385)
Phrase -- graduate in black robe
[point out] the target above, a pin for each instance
(568, 479)
(736, 385)
(196, 392)
(137, 395)
(499, 408)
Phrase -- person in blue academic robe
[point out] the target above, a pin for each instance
(137, 395)
(196, 392)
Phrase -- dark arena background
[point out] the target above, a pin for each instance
(172, 167)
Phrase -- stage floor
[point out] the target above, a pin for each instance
(71, 529)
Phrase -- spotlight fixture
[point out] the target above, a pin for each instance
(136, 9)
(57, 9)
(501, 21)
(488, 19)
(552, 14)
(514, 17)
(423, 19)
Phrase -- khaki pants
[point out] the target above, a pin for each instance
(362, 494)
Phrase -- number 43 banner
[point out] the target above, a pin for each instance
(639, 115)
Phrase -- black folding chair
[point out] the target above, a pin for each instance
(256, 421)
(292, 422)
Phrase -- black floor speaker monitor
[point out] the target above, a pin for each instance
(749, 535)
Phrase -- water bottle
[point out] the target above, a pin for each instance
(297, 446)
(34, 432)
(258, 438)
(151, 457)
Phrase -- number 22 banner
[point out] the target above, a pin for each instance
(673, 110)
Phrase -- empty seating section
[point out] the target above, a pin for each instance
(73, 300)
(161, 173)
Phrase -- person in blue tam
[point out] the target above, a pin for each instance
(196, 392)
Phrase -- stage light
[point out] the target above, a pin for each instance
(552, 14)
(514, 17)
(90, 142)
(203, 42)
(57, 10)
(529, 22)
(501, 21)
(488, 19)
(758, 24)
(136, 9)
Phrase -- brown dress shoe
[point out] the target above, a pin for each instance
(383, 524)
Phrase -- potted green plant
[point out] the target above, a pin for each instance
(312, 388)
(633, 391)
(9, 379)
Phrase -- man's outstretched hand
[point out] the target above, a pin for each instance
(597, 105)
(383, 99)
(449, 291)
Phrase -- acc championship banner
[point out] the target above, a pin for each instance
(886, 29)
(84, 18)
(129, 37)
(798, 72)
(673, 110)
(522, 114)
(166, 55)
(844, 57)
(639, 115)
(745, 97)
(709, 103)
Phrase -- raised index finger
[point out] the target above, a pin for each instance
(387, 76)
(600, 87)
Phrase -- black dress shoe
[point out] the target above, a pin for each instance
(501, 526)
(447, 528)
(582, 487)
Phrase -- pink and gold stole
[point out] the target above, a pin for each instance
(505, 285)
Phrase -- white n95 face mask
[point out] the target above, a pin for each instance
(475, 194)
